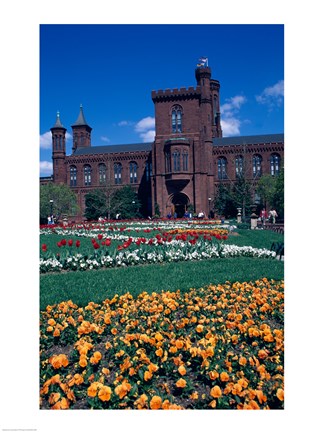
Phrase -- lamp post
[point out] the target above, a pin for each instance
(209, 202)
(51, 212)
(133, 202)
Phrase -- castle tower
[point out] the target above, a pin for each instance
(58, 151)
(81, 132)
(183, 147)
(204, 175)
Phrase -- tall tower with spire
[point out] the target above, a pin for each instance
(81, 132)
(58, 151)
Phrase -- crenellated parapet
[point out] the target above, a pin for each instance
(177, 93)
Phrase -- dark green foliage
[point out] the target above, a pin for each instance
(125, 202)
(96, 205)
(278, 196)
(64, 201)
(157, 210)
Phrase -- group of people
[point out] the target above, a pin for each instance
(271, 217)
(50, 220)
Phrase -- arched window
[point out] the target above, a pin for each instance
(87, 175)
(185, 159)
(118, 173)
(239, 166)
(176, 116)
(222, 168)
(274, 164)
(257, 166)
(102, 173)
(73, 175)
(176, 160)
(133, 172)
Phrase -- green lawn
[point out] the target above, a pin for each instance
(97, 285)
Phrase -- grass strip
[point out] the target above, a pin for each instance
(97, 285)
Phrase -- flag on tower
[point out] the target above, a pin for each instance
(203, 61)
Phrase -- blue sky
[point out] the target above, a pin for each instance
(112, 69)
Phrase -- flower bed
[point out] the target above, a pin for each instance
(121, 245)
(215, 347)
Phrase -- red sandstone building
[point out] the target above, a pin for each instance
(184, 165)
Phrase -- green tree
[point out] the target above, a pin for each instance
(266, 189)
(64, 201)
(241, 194)
(157, 210)
(95, 204)
(223, 202)
(278, 199)
(125, 202)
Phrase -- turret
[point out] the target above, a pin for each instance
(81, 132)
(58, 151)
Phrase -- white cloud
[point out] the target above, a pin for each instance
(45, 140)
(125, 123)
(46, 168)
(146, 129)
(229, 121)
(145, 124)
(105, 139)
(230, 126)
(273, 95)
(148, 136)
(233, 105)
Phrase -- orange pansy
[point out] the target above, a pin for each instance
(216, 392)
(181, 383)
(147, 376)
(53, 398)
(199, 328)
(262, 354)
(213, 375)
(104, 393)
(224, 376)
(280, 394)
(242, 361)
(156, 402)
(182, 370)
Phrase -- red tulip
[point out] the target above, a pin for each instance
(70, 242)
(63, 242)
(77, 243)
(44, 247)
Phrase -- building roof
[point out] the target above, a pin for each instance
(130, 148)
(252, 139)
(58, 124)
(80, 121)
(116, 148)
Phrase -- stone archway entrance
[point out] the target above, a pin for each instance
(180, 202)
